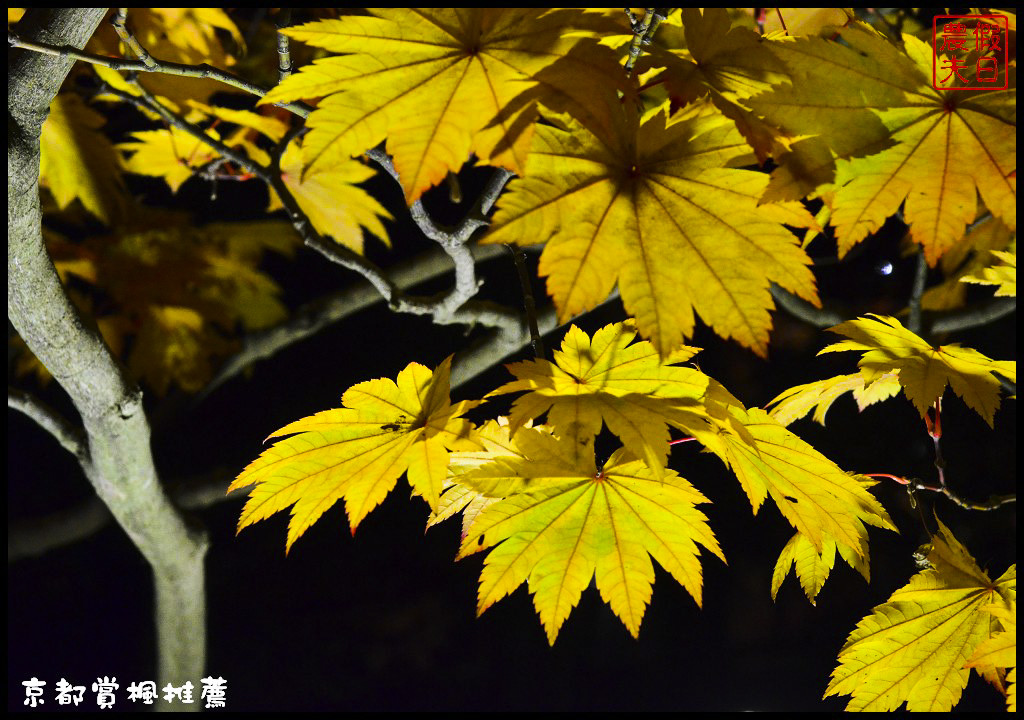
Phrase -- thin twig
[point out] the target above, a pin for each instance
(993, 503)
(150, 65)
(519, 258)
(284, 53)
(147, 102)
(308, 321)
(643, 33)
(916, 292)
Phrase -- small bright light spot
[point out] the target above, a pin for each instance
(885, 268)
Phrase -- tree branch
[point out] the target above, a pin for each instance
(313, 318)
(70, 437)
(115, 425)
(803, 310)
(972, 317)
(149, 65)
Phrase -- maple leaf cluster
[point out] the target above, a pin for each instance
(661, 203)
(555, 517)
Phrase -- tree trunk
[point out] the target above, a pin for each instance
(120, 462)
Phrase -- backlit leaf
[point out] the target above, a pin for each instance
(330, 197)
(797, 401)
(924, 371)
(1000, 650)
(653, 208)
(571, 522)
(77, 161)
(820, 500)
(383, 429)
(172, 154)
(899, 140)
(627, 387)
(434, 82)
(493, 438)
(1002, 274)
(914, 647)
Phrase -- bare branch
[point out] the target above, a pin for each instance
(916, 293)
(147, 102)
(147, 64)
(452, 308)
(972, 317)
(993, 503)
(37, 536)
(803, 310)
(70, 437)
(310, 320)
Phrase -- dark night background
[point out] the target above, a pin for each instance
(386, 620)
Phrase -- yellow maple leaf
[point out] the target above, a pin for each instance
(77, 161)
(563, 521)
(914, 647)
(171, 154)
(1000, 650)
(493, 437)
(628, 387)
(330, 197)
(969, 256)
(654, 208)
(820, 500)
(924, 371)
(434, 81)
(811, 565)
(797, 401)
(1002, 274)
(357, 452)
(639, 395)
(728, 64)
(900, 141)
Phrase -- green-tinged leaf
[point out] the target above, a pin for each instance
(914, 647)
(924, 371)
(570, 522)
(359, 451)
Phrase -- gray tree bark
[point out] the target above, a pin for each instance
(119, 462)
